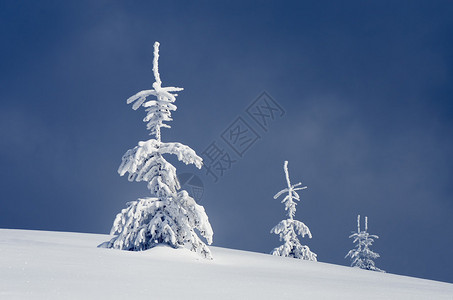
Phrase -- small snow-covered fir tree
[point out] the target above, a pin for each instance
(170, 216)
(289, 229)
(361, 256)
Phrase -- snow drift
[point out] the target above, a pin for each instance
(60, 265)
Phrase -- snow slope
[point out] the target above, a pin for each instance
(60, 265)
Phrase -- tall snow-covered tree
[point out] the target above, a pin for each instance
(170, 216)
(289, 229)
(361, 256)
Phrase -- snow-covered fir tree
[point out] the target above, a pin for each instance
(361, 256)
(289, 229)
(170, 216)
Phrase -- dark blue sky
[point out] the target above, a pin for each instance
(366, 86)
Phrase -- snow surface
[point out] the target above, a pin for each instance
(61, 265)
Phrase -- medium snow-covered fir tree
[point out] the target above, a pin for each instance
(170, 216)
(289, 229)
(361, 256)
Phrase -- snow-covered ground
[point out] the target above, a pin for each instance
(60, 265)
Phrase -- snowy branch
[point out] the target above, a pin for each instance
(289, 229)
(361, 256)
(171, 216)
(158, 110)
